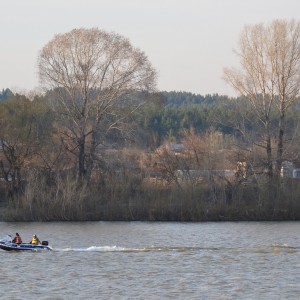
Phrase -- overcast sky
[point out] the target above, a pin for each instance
(189, 42)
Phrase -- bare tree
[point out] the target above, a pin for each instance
(269, 77)
(93, 72)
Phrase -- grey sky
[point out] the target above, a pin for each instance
(188, 42)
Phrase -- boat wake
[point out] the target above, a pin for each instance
(285, 246)
(188, 249)
(128, 249)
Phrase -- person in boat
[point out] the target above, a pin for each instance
(17, 239)
(35, 240)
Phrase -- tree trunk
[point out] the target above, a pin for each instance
(269, 157)
(91, 159)
(280, 143)
(269, 150)
(81, 158)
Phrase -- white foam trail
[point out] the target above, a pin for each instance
(95, 249)
(124, 249)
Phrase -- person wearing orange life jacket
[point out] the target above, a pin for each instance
(35, 240)
(17, 239)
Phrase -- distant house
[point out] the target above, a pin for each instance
(289, 170)
(200, 175)
(177, 148)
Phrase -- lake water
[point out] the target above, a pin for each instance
(118, 260)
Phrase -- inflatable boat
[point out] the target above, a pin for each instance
(7, 245)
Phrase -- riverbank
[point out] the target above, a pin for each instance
(136, 201)
(157, 204)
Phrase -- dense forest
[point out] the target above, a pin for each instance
(140, 174)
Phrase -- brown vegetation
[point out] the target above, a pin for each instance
(128, 196)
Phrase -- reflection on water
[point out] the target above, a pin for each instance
(103, 260)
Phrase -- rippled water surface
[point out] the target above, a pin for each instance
(104, 260)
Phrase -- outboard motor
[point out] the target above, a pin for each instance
(45, 243)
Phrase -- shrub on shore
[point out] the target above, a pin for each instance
(130, 199)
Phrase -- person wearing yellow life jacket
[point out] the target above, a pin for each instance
(17, 239)
(35, 240)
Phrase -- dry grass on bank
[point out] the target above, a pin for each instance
(129, 199)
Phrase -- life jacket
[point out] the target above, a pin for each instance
(35, 241)
(18, 239)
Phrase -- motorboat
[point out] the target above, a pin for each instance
(7, 245)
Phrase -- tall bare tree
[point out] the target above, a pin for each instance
(269, 77)
(94, 72)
